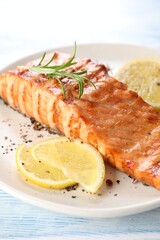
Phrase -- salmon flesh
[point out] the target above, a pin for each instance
(115, 120)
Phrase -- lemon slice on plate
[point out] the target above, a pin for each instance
(78, 160)
(40, 173)
(143, 76)
(46, 151)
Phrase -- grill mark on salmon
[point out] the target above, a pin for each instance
(124, 128)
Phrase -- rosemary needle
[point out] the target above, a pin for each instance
(58, 72)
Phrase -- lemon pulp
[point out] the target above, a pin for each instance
(77, 160)
(40, 173)
(142, 76)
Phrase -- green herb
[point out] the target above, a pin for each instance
(58, 72)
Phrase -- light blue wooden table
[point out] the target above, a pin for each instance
(30, 26)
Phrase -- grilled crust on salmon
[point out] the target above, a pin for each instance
(124, 128)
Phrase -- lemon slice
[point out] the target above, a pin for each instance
(79, 161)
(40, 173)
(46, 151)
(143, 76)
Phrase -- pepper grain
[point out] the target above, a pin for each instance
(109, 183)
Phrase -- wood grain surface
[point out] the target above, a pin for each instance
(21, 220)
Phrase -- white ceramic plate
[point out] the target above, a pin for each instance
(123, 198)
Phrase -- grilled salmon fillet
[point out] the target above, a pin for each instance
(124, 128)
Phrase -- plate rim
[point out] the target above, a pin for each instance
(58, 48)
(81, 212)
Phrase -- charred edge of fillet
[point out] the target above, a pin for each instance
(39, 126)
(14, 109)
(35, 124)
(4, 102)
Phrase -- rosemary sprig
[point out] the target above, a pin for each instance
(58, 72)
